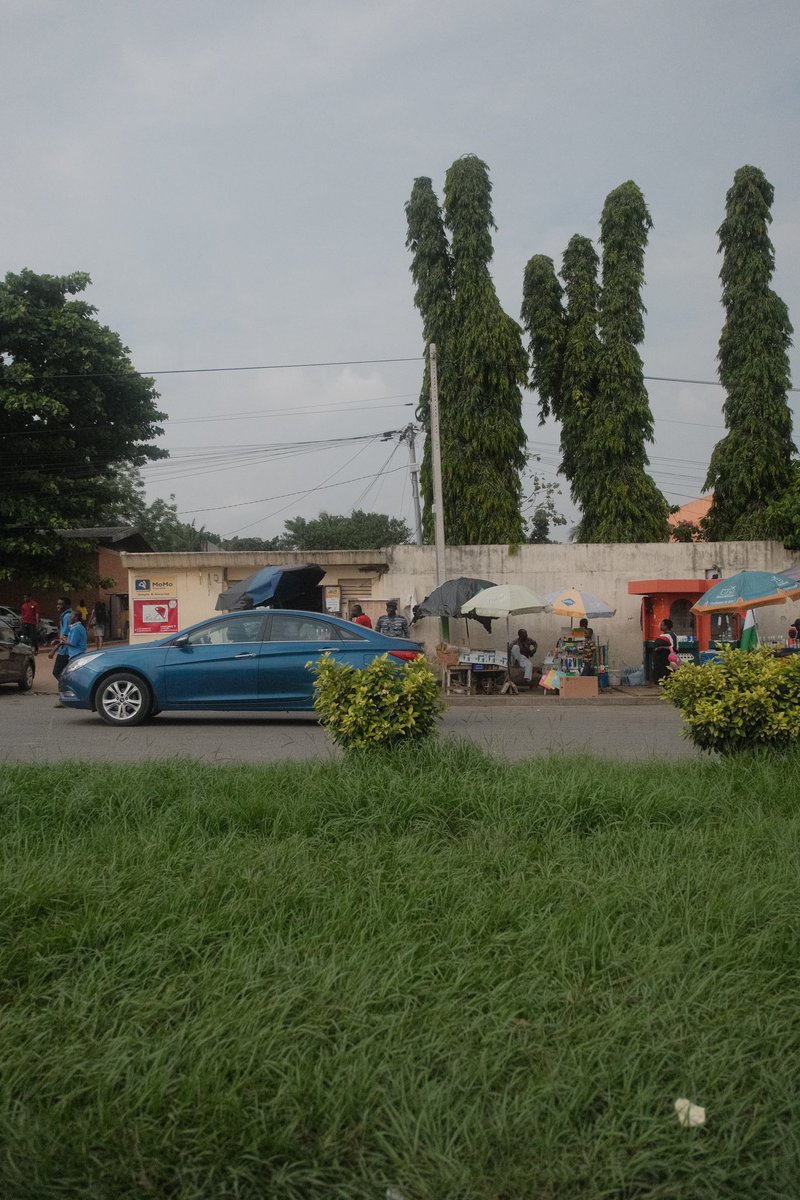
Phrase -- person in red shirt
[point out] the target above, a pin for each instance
(30, 621)
(359, 617)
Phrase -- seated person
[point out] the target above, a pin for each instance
(522, 651)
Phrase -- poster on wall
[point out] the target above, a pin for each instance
(154, 585)
(333, 599)
(155, 616)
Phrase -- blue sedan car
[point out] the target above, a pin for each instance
(235, 662)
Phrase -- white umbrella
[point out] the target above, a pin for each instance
(507, 600)
(574, 602)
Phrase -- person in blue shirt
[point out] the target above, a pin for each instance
(64, 618)
(76, 638)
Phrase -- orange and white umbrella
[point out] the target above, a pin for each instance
(573, 602)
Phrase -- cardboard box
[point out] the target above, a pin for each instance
(578, 687)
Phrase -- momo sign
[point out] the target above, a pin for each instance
(155, 616)
(154, 585)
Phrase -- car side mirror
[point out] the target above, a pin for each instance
(183, 640)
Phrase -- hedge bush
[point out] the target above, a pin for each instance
(378, 706)
(748, 699)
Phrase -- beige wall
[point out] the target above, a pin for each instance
(199, 578)
(604, 570)
(408, 572)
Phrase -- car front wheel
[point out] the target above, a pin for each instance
(26, 683)
(123, 699)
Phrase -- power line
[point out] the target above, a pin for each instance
(346, 362)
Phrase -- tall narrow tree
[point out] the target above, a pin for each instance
(485, 449)
(579, 408)
(627, 506)
(751, 467)
(432, 272)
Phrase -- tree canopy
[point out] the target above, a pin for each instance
(73, 412)
(751, 470)
(329, 531)
(588, 372)
(482, 362)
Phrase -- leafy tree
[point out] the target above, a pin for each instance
(432, 272)
(626, 505)
(542, 512)
(783, 514)
(486, 443)
(751, 467)
(158, 522)
(564, 353)
(248, 544)
(358, 531)
(73, 412)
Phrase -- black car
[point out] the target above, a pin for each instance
(17, 660)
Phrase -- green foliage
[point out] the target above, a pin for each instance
(432, 272)
(783, 514)
(542, 513)
(329, 531)
(73, 412)
(751, 467)
(482, 363)
(158, 522)
(593, 382)
(485, 446)
(748, 700)
(626, 504)
(686, 531)
(378, 706)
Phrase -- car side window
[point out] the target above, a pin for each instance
(292, 627)
(227, 632)
(6, 634)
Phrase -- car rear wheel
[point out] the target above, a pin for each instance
(26, 683)
(123, 699)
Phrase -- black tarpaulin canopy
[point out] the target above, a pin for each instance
(446, 600)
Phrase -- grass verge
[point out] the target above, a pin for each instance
(429, 971)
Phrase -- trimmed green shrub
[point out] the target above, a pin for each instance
(749, 699)
(377, 706)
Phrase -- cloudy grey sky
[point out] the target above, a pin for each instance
(233, 177)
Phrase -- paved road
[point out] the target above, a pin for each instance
(32, 729)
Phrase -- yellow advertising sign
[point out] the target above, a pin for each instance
(154, 585)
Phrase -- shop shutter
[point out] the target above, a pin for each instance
(355, 589)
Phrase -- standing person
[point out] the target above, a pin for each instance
(63, 618)
(99, 622)
(392, 624)
(794, 630)
(76, 637)
(583, 629)
(83, 610)
(522, 652)
(665, 644)
(30, 621)
(359, 617)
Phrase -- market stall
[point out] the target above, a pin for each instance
(578, 665)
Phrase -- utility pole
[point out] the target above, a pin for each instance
(436, 456)
(409, 435)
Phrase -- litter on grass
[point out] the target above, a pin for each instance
(688, 1113)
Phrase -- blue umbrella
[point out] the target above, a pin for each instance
(748, 589)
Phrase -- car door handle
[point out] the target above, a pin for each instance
(250, 655)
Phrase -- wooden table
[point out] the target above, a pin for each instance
(462, 680)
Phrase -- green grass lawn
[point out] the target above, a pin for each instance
(432, 972)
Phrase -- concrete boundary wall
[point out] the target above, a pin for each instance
(604, 570)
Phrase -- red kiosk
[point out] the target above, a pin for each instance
(673, 598)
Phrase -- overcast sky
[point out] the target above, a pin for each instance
(233, 177)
